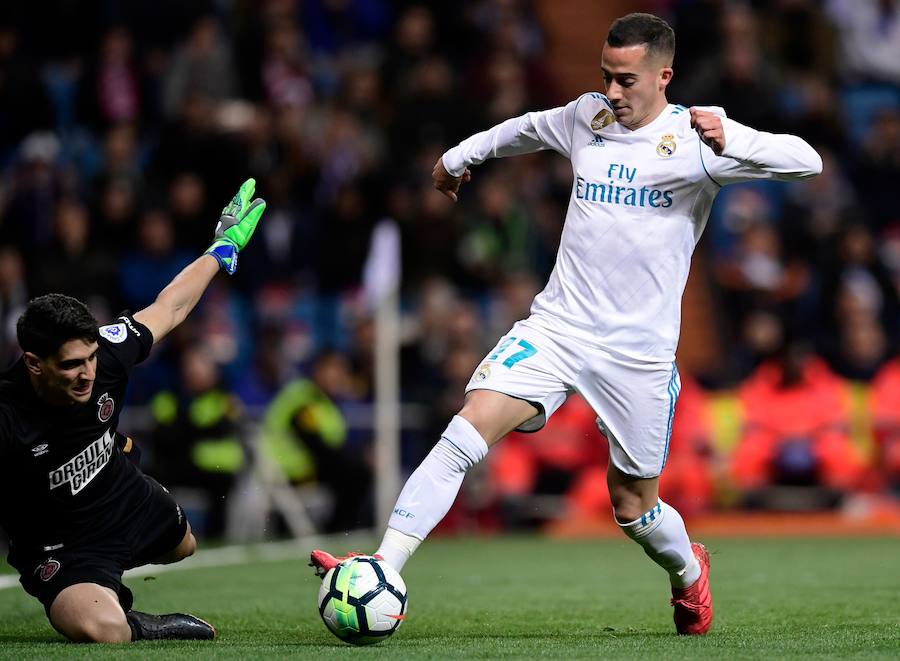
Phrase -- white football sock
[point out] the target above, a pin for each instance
(397, 547)
(662, 534)
(431, 489)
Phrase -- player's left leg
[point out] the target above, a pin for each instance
(172, 626)
(653, 524)
(163, 536)
(636, 403)
(661, 532)
(186, 548)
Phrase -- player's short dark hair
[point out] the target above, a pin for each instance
(51, 320)
(643, 29)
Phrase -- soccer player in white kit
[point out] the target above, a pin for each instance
(607, 323)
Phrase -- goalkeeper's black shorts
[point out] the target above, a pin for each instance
(145, 535)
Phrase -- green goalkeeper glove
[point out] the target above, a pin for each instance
(236, 226)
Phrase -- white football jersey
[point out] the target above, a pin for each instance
(640, 200)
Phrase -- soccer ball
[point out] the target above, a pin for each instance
(362, 600)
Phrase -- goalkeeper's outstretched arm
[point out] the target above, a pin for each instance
(233, 232)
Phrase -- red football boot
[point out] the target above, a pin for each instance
(323, 561)
(693, 604)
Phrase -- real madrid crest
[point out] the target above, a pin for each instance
(666, 146)
(106, 405)
(602, 119)
(483, 373)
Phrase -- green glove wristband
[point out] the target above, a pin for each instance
(226, 253)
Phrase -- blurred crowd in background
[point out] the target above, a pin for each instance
(125, 127)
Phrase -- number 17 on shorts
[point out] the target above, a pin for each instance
(525, 364)
(510, 350)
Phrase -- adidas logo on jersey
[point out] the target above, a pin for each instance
(597, 142)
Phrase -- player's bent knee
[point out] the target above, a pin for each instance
(186, 548)
(629, 504)
(627, 513)
(631, 496)
(89, 613)
(190, 546)
(494, 414)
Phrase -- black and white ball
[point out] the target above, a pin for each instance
(362, 600)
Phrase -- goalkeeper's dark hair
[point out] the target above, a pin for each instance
(51, 320)
(643, 29)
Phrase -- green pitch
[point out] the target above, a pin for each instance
(524, 597)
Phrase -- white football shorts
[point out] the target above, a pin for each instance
(634, 401)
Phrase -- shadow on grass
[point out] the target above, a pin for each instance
(538, 635)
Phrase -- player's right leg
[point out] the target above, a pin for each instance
(89, 613)
(93, 613)
(485, 418)
(518, 386)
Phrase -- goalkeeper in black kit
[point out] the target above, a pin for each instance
(77, 512)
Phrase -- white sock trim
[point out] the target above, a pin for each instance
(662, 534)
(646, 523)
(462, 434)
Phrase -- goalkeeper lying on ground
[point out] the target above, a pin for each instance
(77, 512)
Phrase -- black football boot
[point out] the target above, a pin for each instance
(174, 626)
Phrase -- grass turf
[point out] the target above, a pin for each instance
(528, 597)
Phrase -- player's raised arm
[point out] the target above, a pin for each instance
(531, 132)
(233, 232)
(741, 153)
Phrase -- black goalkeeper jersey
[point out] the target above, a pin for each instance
(63, 479)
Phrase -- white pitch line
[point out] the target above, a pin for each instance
(231, 555)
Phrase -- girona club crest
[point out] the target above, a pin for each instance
(47, 569)
(106, 406)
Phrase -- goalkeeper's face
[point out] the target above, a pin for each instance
(635, 83)
(67, 376)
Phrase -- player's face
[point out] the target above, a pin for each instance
(635, 84)
(68, 375)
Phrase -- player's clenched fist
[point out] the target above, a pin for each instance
(446, 182)
(709, 127)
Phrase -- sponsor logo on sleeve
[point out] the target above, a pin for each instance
(115, 333)
(602, 119)
(130, 325)
(39, 450)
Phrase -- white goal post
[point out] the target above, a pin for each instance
(381, 279)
